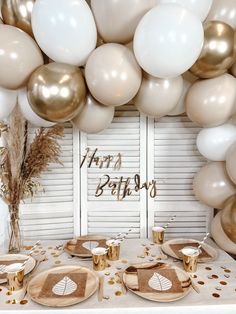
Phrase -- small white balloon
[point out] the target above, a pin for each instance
(200, 8)
(65, 30)
(7, 102)
(29, 114)
(213, 143)
(168, 40)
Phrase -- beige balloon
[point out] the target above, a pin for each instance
(220, 237)
(231, 162)
(233, 69)
(179, 109)
(157, 97)
(223, 10)
(211, 102)
(117, 20)
(113, 74)
(94, 116)
(228, 218)
(19, 57)
(212, 185)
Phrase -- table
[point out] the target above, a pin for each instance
(132, 251)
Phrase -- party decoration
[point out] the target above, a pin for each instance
(188, 80)
(64, 30)
(89, 245)
(220, 237)
(157, 97)
(228, 218)
(18, 13)
(56, 92)
(211, 102)
(224, 11)
(19, 57)
(117, 19)
(164, 49)
(66, 286)
(29, 114)
(213, 143)
(94, 116)
(200, 8)
(113, 75)
(218, 53)
(212, 185)
(159, 282)
(7, 102)
(231, 162)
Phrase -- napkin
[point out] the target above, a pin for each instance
(179, 246)
(66, 285)
(80, 249)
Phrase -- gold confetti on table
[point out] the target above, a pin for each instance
(23, 302)
(223, 283)
(227, 270)
(119, 281)
(201, 283)
(9, 293)
(124, 261)
(215, 295)
(111, 282)
(118, 293)
(57, 262)
(107, 274)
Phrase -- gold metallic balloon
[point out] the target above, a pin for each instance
(56, 92)
(18, 13)
(218, 53)
(228, 218)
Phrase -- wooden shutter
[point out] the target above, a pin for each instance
(173, 161)
(50, 215)
(104, 214)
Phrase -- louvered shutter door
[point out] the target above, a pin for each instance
(50, 215)
(104, 214)
(173, 160)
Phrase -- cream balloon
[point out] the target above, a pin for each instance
(212, 185)
(157, 97)
(7, 102)
(211, 102)
(94, 116)
(113, 75)
(231, 162)
(168, 40)
(223, 10)
(28, 113)
(117, 20)
(233, 69)
(228, 218)
(188, 80)
(64, 30)
(220, 237)
(19, 57)
(213, 143)
(200, 8)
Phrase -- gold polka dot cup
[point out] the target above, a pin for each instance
(99, 258)
(113, 252)
(15, 277)
(190, 258)
(158, 234)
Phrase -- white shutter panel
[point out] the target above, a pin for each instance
(50, 214)
(174, 160)
(105, 214)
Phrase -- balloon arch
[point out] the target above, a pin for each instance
(67, 60)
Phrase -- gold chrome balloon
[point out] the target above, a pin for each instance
(56, 92)
(228, 218)
(18, 13)
(218, 53)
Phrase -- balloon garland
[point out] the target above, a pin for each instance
(56, 66)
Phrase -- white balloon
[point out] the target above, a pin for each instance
(29, 114)
(200, 8)
(168, 40)
(65, 30)
(213, 143)
(7, 102)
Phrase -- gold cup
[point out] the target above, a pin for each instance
(113, 253)
(158, 234)
(190, 258)
(99, 258)
(15, 277)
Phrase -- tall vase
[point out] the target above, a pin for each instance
(14, 230)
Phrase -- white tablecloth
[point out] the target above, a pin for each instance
(131, 304)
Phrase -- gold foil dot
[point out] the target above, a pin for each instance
(106, 297)
(23, 302)
(226, 276)
(13, 301)
(112, 278)
(57, 262)
(214, 276)
(193, 276)
(9, 293)
(108, 265)
(215, 295)
(223, 283)
(124, 261)
(152, 244)
(118, 281)
(37, 251)
(218, 288)
(27, 247)
(201, 282)
(227, 270)
(56, 255)
(107, 274)
(111, 282)
(0, 289)
(118, 293)
(208, 268)
(147, 248)
(40, 247)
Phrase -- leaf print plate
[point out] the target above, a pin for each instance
(63, 292)
(158, 282)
